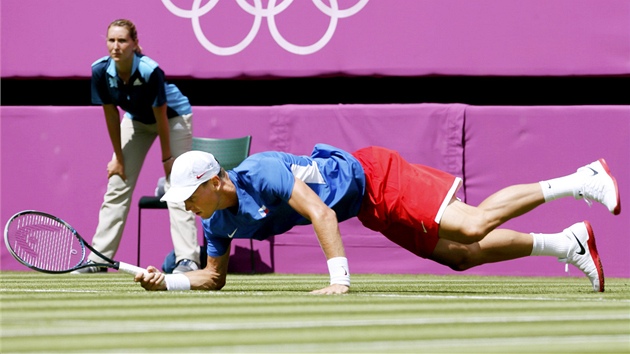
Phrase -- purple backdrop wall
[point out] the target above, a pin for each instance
(355, 37)
(54, 158)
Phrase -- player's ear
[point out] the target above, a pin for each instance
(215, 182)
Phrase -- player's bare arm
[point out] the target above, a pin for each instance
(324, 220)
(213, 276)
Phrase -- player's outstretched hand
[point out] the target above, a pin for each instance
(334, 289)
(152, 280)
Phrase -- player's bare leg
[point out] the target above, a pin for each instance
(574, 245)
(499, 245)
(593, 182)
(466, 224)
(468, 235)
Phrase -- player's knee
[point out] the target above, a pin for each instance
(473, 232)
(461, 259)
(464, 263)
(471, 258)
(460, 266)
(457, 267)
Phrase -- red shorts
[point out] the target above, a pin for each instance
(404, 201)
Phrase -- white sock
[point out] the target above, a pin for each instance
(561, 187)
(556, 245)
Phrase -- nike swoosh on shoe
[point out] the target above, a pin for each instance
(582, 250)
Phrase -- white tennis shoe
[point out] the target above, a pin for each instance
(89, 270)
(599, 185)
(583, 254)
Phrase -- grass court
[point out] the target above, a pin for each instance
(274, 313)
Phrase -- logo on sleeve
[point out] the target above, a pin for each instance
(263, 211)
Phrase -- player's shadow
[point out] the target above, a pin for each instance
(244, 260)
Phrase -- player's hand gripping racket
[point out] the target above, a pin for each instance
(48, 244)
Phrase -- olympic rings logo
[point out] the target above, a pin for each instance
(259, 12)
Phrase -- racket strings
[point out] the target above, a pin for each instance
(46, 243)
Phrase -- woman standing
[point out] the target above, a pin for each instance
(132, 81)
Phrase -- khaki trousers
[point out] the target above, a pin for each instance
(136, 139)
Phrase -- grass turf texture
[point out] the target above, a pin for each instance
(273, 313)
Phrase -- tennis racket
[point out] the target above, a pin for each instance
(45, 243)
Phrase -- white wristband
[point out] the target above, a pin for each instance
(339, 271)
(177, 282)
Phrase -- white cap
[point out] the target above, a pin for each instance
(190, 170)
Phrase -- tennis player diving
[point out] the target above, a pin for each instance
(414, 206)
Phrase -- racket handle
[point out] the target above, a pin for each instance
(131, 269)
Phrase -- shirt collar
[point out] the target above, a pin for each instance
(111, 68)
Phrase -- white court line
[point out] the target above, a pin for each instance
(406, 345)
(89, 327)
(282, 293)
(494, 297)
(49, 291)
(415, 345)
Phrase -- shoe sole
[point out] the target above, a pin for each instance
(617, 208)
(88, 273)
(592, 249)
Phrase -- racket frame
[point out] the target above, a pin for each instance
(120, 266)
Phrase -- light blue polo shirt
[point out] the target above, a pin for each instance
(146, 89)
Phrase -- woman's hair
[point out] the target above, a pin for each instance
(133, 32)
